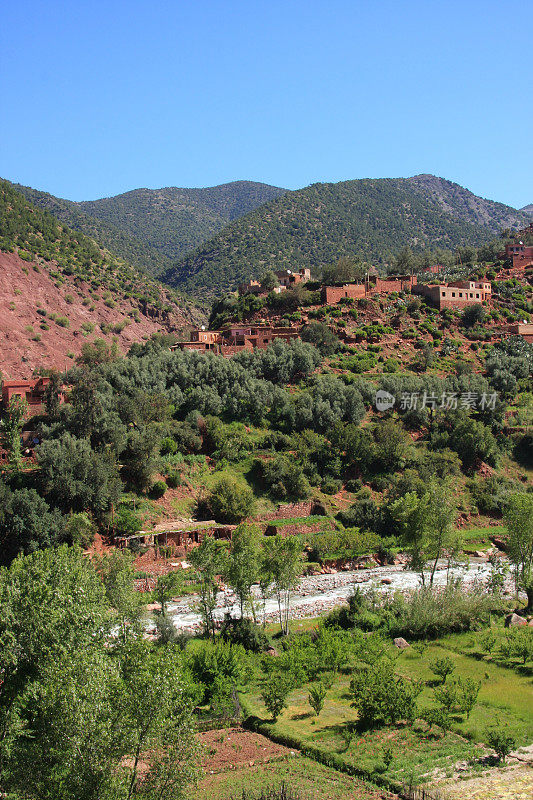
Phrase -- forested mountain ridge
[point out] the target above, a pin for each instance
(370, 218)
(463, 204)
(152, 228)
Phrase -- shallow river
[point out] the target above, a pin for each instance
(320, 593)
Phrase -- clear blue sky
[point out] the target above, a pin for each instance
(101, 97)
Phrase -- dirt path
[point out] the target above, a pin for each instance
(513, 783)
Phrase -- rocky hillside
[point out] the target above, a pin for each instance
(58, 289)
(314, 226)
(152, 228)
(528, 210)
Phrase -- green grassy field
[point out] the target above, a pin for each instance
(478, 538)
(505, 698)
(310, 779)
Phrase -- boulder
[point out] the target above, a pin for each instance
(386, 581)
(514, 620)
(400, 643)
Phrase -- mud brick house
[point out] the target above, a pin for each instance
(32, 391)
(520, 254)
(179, 541)
(455, 295)
(201, 340)
(286, 278)
(524, 329)
(237, 338)
(374, 285)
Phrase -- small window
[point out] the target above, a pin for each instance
(453, 294)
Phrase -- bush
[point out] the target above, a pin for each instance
(381, 697)
(245, 632)
(274, 692)
(230, 500)
(442, 667)
(331, 486)
(158, 489)
(173, 480)
(500, 740)
(168, 446)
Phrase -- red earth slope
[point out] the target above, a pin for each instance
(25, 346)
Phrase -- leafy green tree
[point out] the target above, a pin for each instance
(28, 524)
(209, 560)
(473, 315)
(282, 561)
(269, 281)
(321, 336)
(80, 529)
(76, 478)
(139, 459)
(427, 526)
(381, 697)
(274, 692)
(501, 740)
(391, 443)
(317, 694)
(467, 694)
(10, 429)
(97, 352)
(166, 588)
(117, 572)
(242, 567)
(86, 405)
(52, 395)
(53, 604)
(518, 517)
(284, 477)
(75, 744)
(221, 661)
(158, 703)
(442, 667)
(75, 720)
(473, 442)
(230, 500)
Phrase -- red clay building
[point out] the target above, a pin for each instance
(373, 285)
(524, 329)
(520, 254)
(455, 295)
(237, 338)
(32, 391)
(286, 278)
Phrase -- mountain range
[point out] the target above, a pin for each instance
(154, 228)
(206, 241)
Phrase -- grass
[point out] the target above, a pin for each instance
(505, 698)
(472, 645)
(504, 695)
(479, 538)
(301, 774)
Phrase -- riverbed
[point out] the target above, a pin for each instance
(318, 594)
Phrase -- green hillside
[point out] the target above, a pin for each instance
(37, 235)
(317, 225)
(152, 228)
